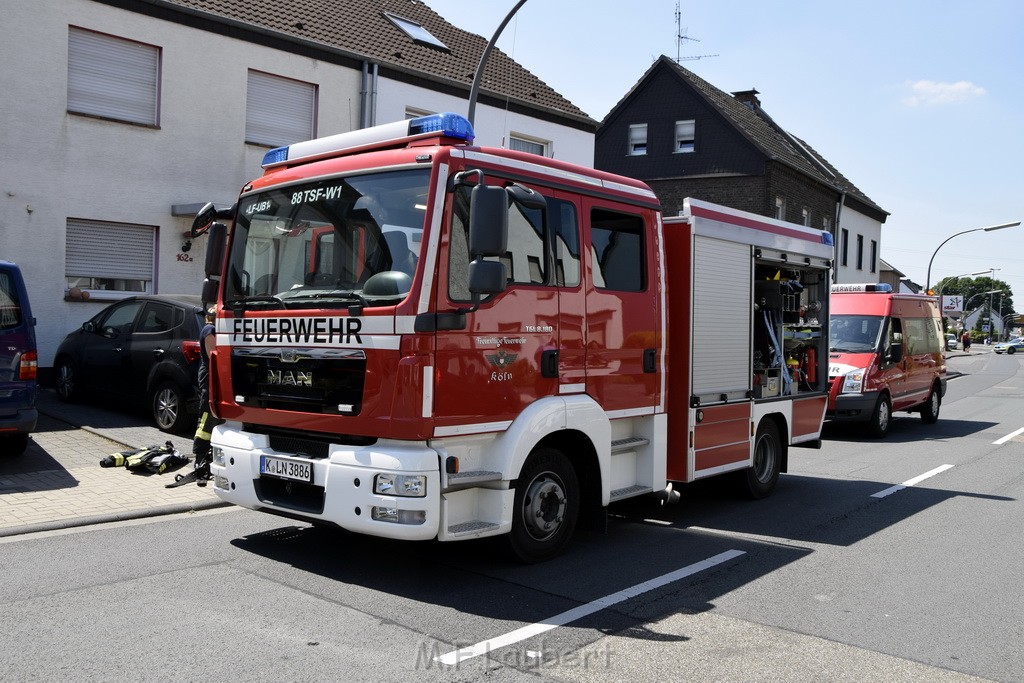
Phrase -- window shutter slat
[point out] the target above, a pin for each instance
(109, 250)
(278, 111)
(111, 77)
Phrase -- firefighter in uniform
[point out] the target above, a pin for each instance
(201, 440)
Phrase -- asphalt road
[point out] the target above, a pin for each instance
(842, 574)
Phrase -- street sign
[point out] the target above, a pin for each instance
(953, 303)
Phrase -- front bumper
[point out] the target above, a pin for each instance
(341, 492)
(852, 407)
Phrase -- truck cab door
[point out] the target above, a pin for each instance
(622, 307)
(504, 357)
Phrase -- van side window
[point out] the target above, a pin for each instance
(893, 336)
(922, 336)
(10, 307)
(617, 244)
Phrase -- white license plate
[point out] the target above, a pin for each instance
(298, 470)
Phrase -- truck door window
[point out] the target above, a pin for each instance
(618, 246)
(525, 259)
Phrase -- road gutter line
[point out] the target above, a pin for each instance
(1009, 436)
(462, 654)
(911, 482)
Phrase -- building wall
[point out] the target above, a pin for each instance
(59, 165)
(747, 193)
(660, 101)
(870, 229)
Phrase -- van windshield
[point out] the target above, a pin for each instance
(320, 244)
(854, 333)
(10, 306)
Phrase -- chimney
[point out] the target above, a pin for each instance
(748, 97)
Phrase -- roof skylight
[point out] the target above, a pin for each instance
(417, 32)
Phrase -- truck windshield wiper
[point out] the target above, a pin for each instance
(341, 297)
(242, 302)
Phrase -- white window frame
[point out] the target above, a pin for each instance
(526, 142)
(805, 215)
(636, 140)
(278, 110)
(113, 78)
(414, 113)
(417, 32)
(112, 251)
(686, 134)
(780, 208)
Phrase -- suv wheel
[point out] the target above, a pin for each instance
(67, 380)
(168, 403)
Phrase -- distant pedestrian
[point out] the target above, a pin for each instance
(965, 340)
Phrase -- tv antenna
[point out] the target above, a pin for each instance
(681, 36)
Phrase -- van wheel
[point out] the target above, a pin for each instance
(930, 410)
(760, 478)
(14, 444)
(881, 417)
(547, 503)
(67, 381)
(168, 403)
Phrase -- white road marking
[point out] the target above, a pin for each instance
(911, 482)
(1009, 436)
(484, 647)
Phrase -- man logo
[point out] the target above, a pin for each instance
(289, 378)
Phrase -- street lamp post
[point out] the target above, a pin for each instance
(943, 283)
(928, 279)
(968, 302)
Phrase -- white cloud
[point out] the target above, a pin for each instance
(931, 93)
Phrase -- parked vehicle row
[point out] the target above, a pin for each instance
(142, 350)
(18, 362)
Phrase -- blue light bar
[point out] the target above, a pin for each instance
(386, 135)
(826, 238)
(447, 124)
(275, 156)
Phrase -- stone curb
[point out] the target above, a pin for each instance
(112, 517)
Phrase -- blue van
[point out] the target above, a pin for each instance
(18, 362)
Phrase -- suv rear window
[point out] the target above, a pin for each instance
(10, 306)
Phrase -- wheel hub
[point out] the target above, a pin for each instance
(544, 506)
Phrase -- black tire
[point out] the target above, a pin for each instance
(168, 404)
(881, 417)
(13, 444)
(66, 381)
(930, 410)
(1011, 350)
(547, 503)
(760, 479)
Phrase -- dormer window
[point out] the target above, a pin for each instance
(416, 32)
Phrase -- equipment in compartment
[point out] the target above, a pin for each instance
(789, 305)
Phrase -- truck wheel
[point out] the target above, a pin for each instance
(66, 381)
(881, 416)
(168, 403)
(546, 506)
(760, 478)
(930, 410)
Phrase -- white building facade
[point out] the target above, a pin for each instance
(100, 177)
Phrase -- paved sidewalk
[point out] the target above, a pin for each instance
(59, 483)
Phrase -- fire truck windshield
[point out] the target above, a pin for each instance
(330, 242)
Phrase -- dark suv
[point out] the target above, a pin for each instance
(18, 362)
(140, 350)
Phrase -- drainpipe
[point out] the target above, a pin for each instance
(373, 96)
(363, 96)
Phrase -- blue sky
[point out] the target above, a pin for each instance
(920, 104)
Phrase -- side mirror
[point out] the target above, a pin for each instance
(486, 277)
(88, 326)
(215, 248)
(488, 221)
(896, 353)
(203, 219)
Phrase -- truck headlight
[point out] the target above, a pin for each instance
(853, 381)
(218, 456)
(407, 485)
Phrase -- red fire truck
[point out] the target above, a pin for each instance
(419, 338)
